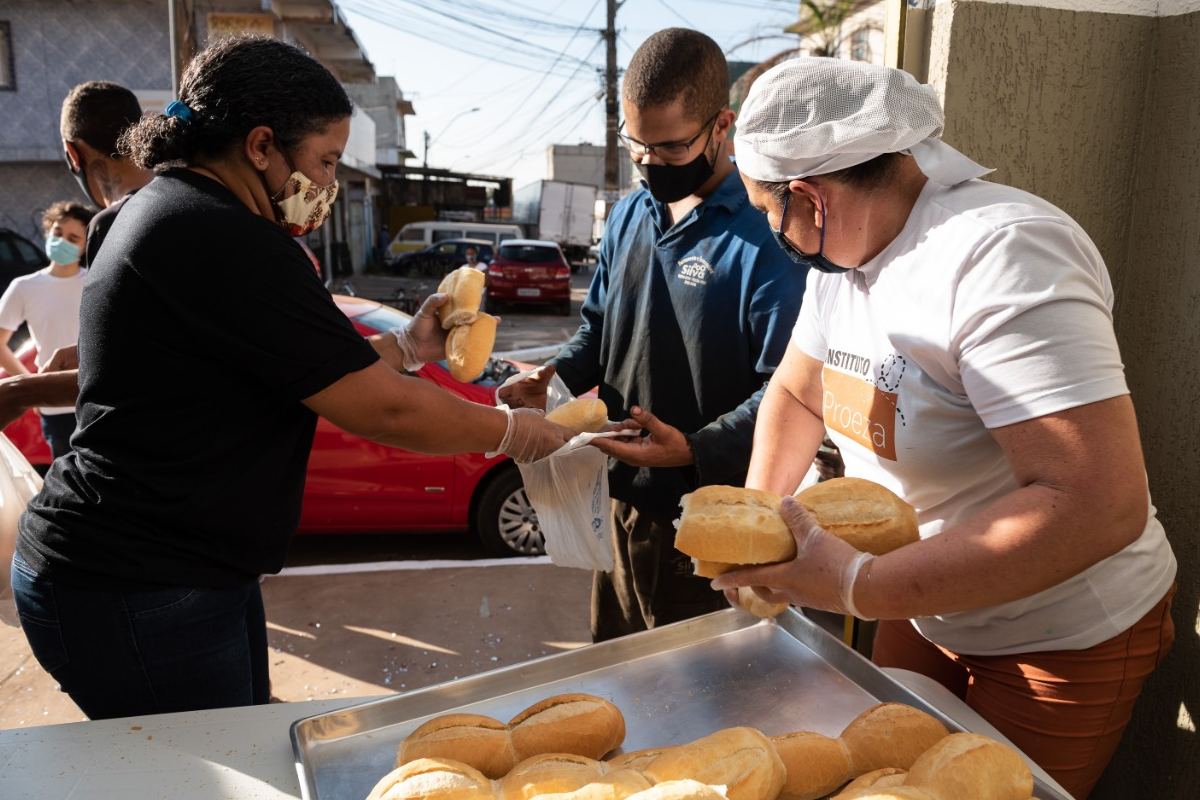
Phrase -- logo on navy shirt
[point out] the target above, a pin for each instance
(694, 271)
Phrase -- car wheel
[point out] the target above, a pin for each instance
(505, 520)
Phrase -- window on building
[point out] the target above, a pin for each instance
(860, 45)
(8, 79)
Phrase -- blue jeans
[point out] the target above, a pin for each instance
(125, 653)
(57, 430)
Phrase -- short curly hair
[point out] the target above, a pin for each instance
(679, 64)
(66, 209)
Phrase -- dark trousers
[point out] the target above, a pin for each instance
(651, 584)
(125, 653)
(57, 430)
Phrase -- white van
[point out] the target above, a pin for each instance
(419, 235)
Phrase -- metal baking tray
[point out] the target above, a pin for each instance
(674, 684)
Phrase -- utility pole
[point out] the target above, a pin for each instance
(426, 149)
(612, 170)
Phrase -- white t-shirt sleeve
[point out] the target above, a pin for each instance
(12, 307)
(1031, 327)
(808, 334)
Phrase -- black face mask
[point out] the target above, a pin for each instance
(818, 261)
(80, 176)
(669, 183)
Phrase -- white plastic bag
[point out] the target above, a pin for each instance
(19, 482)
(569, 491)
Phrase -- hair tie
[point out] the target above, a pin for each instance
(179, 110)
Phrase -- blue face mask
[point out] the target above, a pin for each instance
(818, 261)
(60, 251)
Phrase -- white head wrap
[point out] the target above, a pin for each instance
(813, 116)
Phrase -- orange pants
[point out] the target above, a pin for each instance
(1065, 708)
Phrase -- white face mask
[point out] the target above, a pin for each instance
(301, 206)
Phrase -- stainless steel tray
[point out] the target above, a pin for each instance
(673, 684)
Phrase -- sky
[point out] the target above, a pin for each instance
(532, 68)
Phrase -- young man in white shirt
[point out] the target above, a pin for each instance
(48, 301)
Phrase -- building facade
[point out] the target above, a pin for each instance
(47, 48)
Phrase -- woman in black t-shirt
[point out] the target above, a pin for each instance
(208, 347)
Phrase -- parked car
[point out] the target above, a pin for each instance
(18, 256)
(438, 259)
(358, 486)
(529, 271)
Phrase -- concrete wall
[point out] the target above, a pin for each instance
(1099, 112)
(55, 46)
(1159, 326)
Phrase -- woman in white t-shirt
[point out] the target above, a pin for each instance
(956, 340)
(48, 301)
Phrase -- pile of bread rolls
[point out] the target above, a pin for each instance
(550, 752)
(472, 334)
(726, 527)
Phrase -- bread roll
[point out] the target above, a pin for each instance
(749, 600)
(569, 723)
(550, 773)
(816, 765)
(968, 765)
(465, 289)
(724, 527)
(582, 415)
(579, 724)
(885, 778)
(740, 759)
(711, 569)
(433, 779)
(482, 742)
(890, 735)
(733, 526)
(559, 776)
(901, 792)
(866, 515)
(681, 790)
(468, 347)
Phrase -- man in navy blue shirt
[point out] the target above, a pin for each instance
(689, 312)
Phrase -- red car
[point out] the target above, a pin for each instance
(529, 271)
(355, 485)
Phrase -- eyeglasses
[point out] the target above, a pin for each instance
(667, 151)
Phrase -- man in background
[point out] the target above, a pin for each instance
(689, 312)
(94, 116)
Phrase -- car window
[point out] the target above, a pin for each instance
(29, 253)
(485, 253)
(441, 236)
(449, 248)
(504, 237)
(529, 253)
(413, 235)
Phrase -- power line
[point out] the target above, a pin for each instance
(684, 19)
(405, 25)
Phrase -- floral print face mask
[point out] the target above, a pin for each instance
(301, 206)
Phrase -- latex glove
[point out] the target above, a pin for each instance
(530, 436)
(423, 339)
(822, 575)
(527, 393)
(666, 446)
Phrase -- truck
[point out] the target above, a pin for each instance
(559, 212)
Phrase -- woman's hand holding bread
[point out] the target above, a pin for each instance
(821, 575)
(421, 341)
(814, 547)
